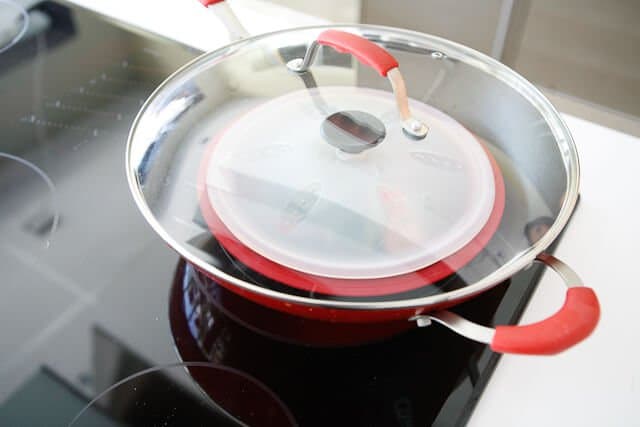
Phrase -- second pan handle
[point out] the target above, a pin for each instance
(222, 10)
(570, 325)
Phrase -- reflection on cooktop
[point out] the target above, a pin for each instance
(312, 369)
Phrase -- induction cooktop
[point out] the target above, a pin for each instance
(101, 324)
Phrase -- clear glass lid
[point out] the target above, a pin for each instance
(309, 164)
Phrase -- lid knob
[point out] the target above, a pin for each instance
(353, 131)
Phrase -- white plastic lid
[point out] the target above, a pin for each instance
(287, 193)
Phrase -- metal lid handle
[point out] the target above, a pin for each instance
(374, 56)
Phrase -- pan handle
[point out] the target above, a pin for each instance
(222, 10)
(571, 324)
(368, 53)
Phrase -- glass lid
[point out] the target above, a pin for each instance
(355, 163)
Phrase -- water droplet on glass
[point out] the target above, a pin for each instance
(124, 64)
(95, 132)
(32, 119)
(58, 103)
(81, 89)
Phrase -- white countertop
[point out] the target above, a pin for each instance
(597, 383)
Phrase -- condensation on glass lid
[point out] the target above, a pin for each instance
(14, 21)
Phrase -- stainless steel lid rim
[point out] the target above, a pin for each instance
(452, 50)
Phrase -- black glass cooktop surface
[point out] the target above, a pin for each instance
(100, 322)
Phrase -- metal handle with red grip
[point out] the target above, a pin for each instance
(374, 56)
(574, 322)
(364, 50)
(571, 324)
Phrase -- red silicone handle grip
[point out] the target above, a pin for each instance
(207, 3)
(571, 324)
(365, 50)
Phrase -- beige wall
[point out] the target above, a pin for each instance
(587, 48)
(470, 22)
